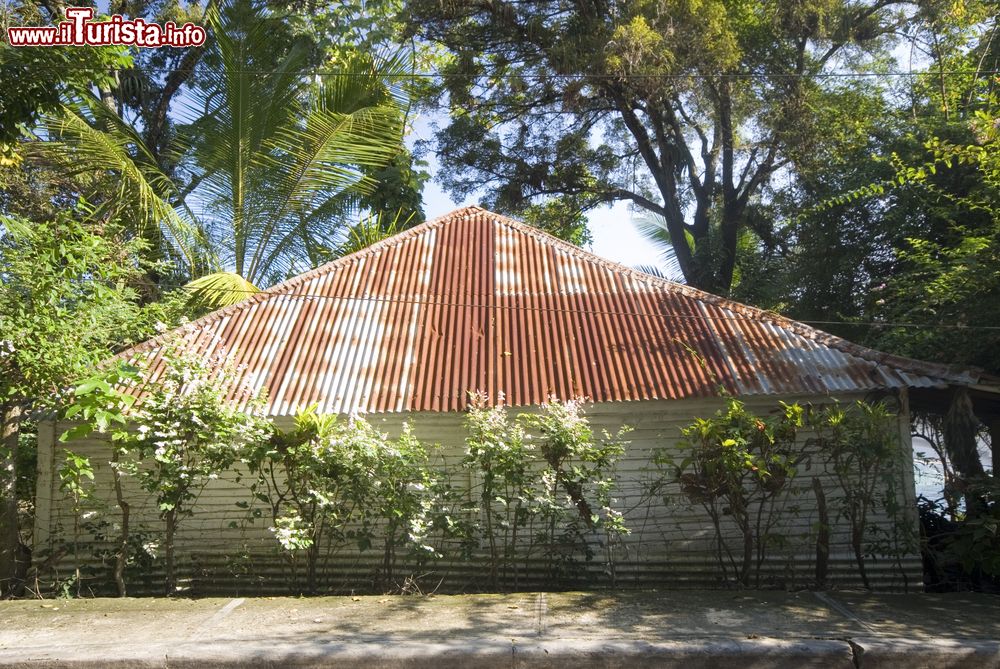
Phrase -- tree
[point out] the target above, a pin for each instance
(948, 274)
(331, 483)
(272, 163)
(687, 110)
(740, 468)
(65, 301)
(35, 79)
(863, 224)
(902, 234)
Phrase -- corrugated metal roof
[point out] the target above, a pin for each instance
(474, 301)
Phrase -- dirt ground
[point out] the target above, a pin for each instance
(149, 632)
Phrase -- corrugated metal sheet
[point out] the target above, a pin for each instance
(474, 301)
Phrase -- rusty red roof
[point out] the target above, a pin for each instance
(475, 301)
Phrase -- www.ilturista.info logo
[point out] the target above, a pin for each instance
(78, 29)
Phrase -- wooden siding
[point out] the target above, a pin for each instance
(671, 545)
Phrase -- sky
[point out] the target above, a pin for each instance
(614, 235)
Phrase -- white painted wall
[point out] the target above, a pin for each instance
(670, 543)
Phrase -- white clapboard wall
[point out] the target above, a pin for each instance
(672, 541)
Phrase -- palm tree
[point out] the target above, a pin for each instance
(370, 230)
(275, 158)
(654, 229)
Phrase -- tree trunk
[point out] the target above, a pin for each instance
(122, 558)
(823, 536)
(747, 554)
(312, 560)
(388, 557)
(961, 427)
(995, 445)
(171, 579)
(857, 539)
(10, 535)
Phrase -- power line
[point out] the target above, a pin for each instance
(590, 312)
(555, 75)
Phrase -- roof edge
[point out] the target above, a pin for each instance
(964, 374)
(958, 374)
(292, 282)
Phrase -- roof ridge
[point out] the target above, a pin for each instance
(293, 281)
(750, 311)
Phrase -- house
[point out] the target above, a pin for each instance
(474, 301)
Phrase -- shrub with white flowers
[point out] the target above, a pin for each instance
(188, 433)
(545, 487)
(335, 482)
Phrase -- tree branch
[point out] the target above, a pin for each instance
(158, 119)
(644, 202)
(672, 211)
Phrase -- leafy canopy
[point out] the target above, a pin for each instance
(268, 164)
(35, 79)
(687, 109)
(65, 301)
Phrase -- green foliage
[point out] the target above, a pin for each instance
(187, 435)
(219, 289)
(555, 507)
(331, 483)
(542, 490)
(282, 156)
(397, 189)
(184, 435)
(273, 165)
(973, 542)
(36, 78)
(76, 478)
(99, 405)
(64, 301)
(739, 466)
(862, 447)
(561, 217)
(897, 229)
(371, 230)
(687, 110)
(497, 450)
(951, 276)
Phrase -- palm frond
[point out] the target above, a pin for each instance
(373, 229)
(654, 229)
(363, 80)
(283, 157)
(85, 136)
(652, 270)
(218, 290)
(15, 228)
